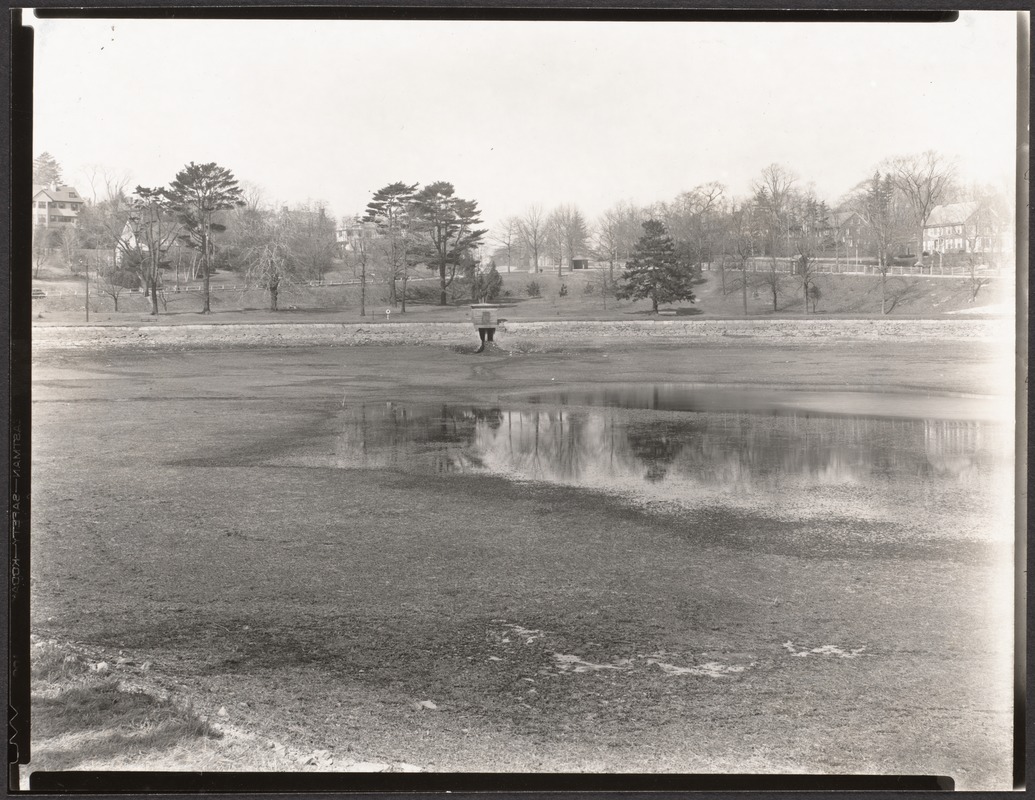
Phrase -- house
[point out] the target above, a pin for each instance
(55, 206)
(354, 233)
(963, 228)
(849, 230)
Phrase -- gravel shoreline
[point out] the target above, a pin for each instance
(580, 333)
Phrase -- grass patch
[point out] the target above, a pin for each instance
(101, 703)
(49, 662)
(81, 715)
(71, 751)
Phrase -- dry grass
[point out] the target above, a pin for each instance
(83, 712)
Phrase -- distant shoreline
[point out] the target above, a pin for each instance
(574, 333)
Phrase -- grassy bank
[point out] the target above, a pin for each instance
(850, 296)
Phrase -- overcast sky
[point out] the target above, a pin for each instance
(515, 113)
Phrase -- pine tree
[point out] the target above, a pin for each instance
(198, 192)
(390, 208)
(45, 170)
(654, 270)
(446, 227)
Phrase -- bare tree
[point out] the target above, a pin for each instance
(773, 194)
(155, 229)
(555, 236)
(269, 257)
(691, 219)
(881, 205)
(806, 266)
(572, 231)
(312, 244)
(618, 230)
(925, 180)
(113, 279)
(361, 243)
(607, 239)
(507, 234)
(739, 246)
(42, 246)
(69, 243)
(532, 232)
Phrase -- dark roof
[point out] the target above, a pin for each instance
(58, 194)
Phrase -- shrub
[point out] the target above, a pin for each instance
(490, 284)
(588, 288)
(533, 289)
(419, 293)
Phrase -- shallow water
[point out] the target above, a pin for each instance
(940, 463)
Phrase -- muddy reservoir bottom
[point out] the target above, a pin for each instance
(473, 572)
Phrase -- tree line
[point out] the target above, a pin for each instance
(782, 226)
(770, 240)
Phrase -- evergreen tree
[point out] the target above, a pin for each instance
(390, 209)
(486, 288)
(198, 192)
(446, 227)
(654, 270)
(46, 170)
(879, 213)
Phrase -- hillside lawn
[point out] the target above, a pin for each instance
(849, 296)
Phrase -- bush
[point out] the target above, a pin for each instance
(419, 293)
(489, 285)
(563, 290)
(588, 288)
(533, 289)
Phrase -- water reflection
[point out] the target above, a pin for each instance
(735, 451)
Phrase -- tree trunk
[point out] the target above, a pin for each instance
(442, 299)
(154, 296)
(363, 289)
(654, 302)
(274, 297)
(205, 270)
(404, 293)
(884, 290)
(744, 287)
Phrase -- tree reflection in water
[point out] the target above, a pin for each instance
(734, 451)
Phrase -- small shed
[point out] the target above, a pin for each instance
(580, 263)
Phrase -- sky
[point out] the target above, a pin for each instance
(517, 113)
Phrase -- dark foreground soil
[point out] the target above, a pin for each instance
(473, 624)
